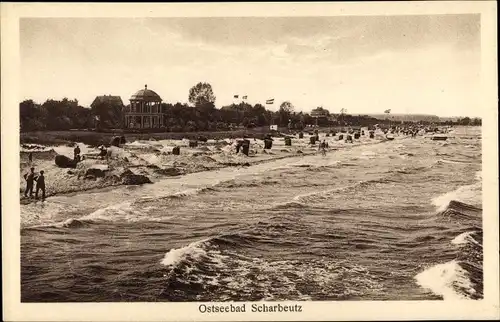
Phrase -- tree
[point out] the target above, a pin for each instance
(286, 109)
(31, 116)
(464, 121)
(109, 111)
(61, 115)
(201, 94)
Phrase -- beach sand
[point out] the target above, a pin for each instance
(154, 159)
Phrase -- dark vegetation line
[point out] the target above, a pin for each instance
(183, 120)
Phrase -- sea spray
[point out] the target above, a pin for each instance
(470, 194)
(444, 279)
(193, 251)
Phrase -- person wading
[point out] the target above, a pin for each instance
(40, 185)
(29, 177)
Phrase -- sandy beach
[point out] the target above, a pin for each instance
(154, 159)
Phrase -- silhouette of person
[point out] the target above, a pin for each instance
(30, 178)
(40, 185)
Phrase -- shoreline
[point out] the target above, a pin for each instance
(64, 181)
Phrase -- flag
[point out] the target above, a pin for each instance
(270, 101)
(387, 111)
(235, 96)
(245, 97)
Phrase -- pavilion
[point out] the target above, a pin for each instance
(144, 110)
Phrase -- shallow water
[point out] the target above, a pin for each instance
(398, 220)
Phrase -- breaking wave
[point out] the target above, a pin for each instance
(462, 277)
(212, 269)
(468, 194)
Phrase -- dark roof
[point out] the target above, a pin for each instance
(146, 95)
(319, 112)
(108, 99)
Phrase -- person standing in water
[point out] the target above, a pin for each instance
(30, 157)
(30, 178)
(40, 185)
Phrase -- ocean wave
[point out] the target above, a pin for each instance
(192, 252)
(465, 238)
(468, 194)
(124, 208)
(294, 204)
(254, 183)
(323, 168)
(134, 210)
(409, 170)
(446, 280)
(446, 161)
(71, 223)
(460, 212)
(315, 195)
(187, 193)
(213, 269)
(461, 278)
(326, 193)
(124, 211)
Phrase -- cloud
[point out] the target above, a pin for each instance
(361, 63)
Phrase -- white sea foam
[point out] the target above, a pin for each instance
(109, 212)
(320, 194)
(464, 238)
(470, 194)
(448, 161)
(479, 175)
(194, 250)
(441, 278)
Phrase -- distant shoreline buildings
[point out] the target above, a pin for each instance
(143, 112)
(148, 111)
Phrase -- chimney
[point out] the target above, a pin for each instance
(146, 86)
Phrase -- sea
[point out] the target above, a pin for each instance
(395, 220)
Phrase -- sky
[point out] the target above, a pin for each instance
(365, 64)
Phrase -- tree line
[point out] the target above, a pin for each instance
(200, 115)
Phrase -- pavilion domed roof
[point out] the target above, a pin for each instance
(146, 95)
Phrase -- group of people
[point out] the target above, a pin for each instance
(31, 178)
